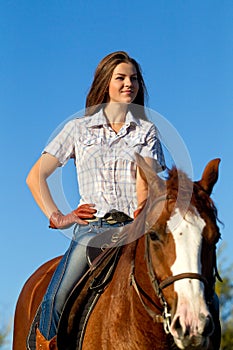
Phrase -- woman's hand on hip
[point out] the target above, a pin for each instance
(61, 221)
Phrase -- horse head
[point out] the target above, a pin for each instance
(181, 237)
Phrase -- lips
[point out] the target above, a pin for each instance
(128, 91)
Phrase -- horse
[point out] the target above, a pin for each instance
(161, 295)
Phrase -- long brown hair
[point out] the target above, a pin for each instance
(98, 93)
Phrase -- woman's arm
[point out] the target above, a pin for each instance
(141, 188)
(142, 185)
(141, 181)
(37, 183)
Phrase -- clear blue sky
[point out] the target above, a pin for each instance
(48, 53)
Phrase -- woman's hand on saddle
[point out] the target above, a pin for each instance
(61, 221)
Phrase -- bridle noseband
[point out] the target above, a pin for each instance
(164, 316)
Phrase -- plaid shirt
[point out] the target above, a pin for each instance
(105, 161)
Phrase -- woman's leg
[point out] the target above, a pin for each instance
(70, 269)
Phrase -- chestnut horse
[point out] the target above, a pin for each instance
(162, 291)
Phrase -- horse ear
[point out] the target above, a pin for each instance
(210, 175)
(155, 183)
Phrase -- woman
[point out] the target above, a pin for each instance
(103, 144)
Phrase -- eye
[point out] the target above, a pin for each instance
(153, 235)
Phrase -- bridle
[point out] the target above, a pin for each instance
(164, 316)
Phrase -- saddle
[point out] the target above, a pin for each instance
(87, 291)
(102, 256)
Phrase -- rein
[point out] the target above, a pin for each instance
(164, 316)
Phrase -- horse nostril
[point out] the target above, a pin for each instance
(209, 326)
(177, 326)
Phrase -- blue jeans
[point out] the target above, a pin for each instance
(70, 269)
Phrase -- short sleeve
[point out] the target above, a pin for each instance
(62, 145)
(153, 149)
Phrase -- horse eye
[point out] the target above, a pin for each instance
(153, 235)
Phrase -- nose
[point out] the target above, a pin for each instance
(128, 82)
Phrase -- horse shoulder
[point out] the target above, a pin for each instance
(29, 301)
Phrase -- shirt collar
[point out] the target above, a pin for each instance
(99, 119)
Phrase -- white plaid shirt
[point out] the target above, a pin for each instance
(105, 161)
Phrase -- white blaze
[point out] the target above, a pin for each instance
(187, 234)
(191, 310)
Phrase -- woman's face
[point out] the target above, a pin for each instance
(123, 86)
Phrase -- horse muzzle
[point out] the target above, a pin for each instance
(188, 333)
